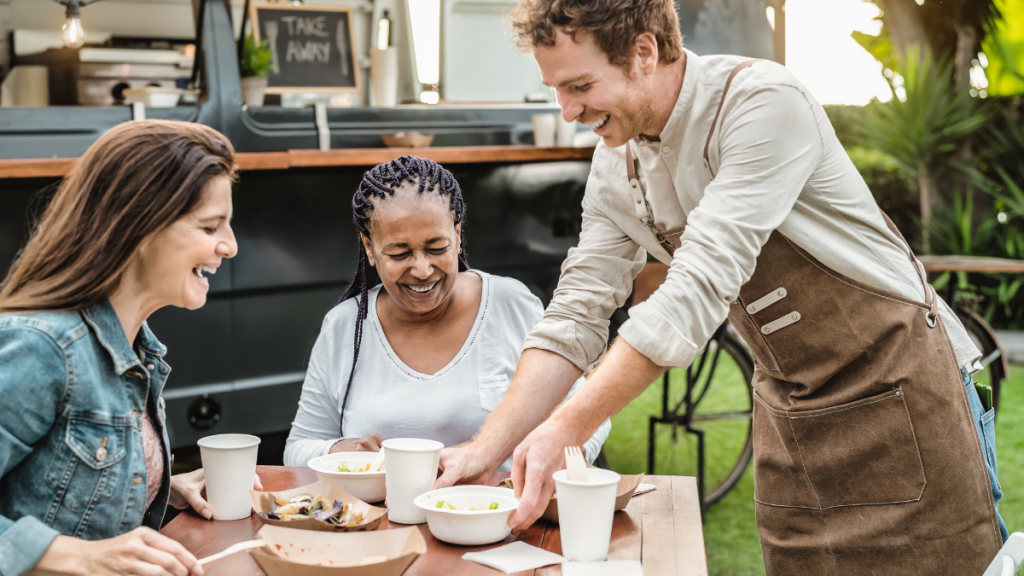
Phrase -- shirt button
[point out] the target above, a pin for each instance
(135, 413)
(666, 149)
(149, 367)
(137, 480)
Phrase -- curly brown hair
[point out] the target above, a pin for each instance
(614, 25)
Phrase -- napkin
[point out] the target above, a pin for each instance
(515, 557)
(644, 489)
(611, 568)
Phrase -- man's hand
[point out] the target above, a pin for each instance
(465, 464)
(369, 444)
(539, 456)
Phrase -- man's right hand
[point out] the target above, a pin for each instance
(369, 444)
(465, 464)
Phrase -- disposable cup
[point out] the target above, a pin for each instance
(229, 466)
(410, 466)
(565, 132)
(585, 513)
(544, 130)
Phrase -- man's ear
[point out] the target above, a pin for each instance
(647, 53)
(368, 247)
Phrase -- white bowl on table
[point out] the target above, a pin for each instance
(464, 526)
(367, 486)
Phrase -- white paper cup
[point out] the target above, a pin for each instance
(565, 132)
(585, 513)
(410, 466)
(544, 130)
(229, 465)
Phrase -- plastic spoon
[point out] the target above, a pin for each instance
(378, 462)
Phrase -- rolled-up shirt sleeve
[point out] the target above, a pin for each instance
(597, 278)
(770, 145)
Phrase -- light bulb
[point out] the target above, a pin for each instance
(74, 35)
(383, 32)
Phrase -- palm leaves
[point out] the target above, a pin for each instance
(924, 124)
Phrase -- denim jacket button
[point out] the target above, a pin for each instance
(101, 454)
(149, 367)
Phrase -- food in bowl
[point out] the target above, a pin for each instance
(367, 486)
(355, 468)
(306, 506)
(468, 515)
(449, 506)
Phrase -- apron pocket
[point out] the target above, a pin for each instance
(492, 390)
(856, 454)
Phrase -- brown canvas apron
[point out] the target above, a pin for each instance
(866, 458)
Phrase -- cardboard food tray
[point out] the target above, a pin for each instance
(380, 553)
(623, 493)
(264, 502)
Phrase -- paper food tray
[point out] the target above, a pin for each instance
(264, 502)
(627, 486)
(303, 553)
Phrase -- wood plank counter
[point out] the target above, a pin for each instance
(59, 167)
(662, 529)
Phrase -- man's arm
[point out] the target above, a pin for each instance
(597, 278)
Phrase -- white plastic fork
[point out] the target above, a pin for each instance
(575, 465)
(378, 462)
(232, 549)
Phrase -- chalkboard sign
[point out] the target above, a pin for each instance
(312, 47)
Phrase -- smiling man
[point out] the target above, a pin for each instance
(870, 456)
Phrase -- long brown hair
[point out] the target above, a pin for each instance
(134, 181)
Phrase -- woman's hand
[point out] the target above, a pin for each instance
(142, 551)
(187, 490)
(369, 444)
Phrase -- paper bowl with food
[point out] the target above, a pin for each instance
(321, 507)
(350, 472)
(468, 515)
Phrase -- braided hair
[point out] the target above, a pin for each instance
(381, 181)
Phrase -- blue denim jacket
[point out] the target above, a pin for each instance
(72, 396)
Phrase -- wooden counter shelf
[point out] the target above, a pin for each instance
(247, 161)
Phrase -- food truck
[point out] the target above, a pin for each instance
(348, 75)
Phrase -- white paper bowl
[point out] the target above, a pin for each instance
(469, 527)
(367, 486)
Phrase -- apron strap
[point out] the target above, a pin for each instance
(930, 298)
(641, 207)
(739, 67)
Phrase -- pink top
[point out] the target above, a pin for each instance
(153, 447)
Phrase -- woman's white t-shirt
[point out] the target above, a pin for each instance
(391, 399)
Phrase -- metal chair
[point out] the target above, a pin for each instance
(1010, 557)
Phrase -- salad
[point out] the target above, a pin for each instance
(448, 506)
(344, 467)
(306, 506)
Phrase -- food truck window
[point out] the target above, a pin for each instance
(132, 50)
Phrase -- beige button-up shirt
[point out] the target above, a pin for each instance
(777, 164)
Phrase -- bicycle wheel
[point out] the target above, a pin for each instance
(991, 355)
(720, 412)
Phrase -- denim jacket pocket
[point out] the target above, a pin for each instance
(492, 390)
(84, 470)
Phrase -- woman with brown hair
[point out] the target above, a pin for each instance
(84, 463)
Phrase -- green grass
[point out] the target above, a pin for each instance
(729, 530)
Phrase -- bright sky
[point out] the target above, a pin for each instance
(821, 53)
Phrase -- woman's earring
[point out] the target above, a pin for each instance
(460, 249)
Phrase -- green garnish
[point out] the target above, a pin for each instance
(494, 506)
(440, 504)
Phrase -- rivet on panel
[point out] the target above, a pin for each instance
(751, 308)
(782, 292)
(766, 329)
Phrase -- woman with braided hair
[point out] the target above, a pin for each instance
(419, 345)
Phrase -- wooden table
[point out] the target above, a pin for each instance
(971, 264)
(662, 529)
